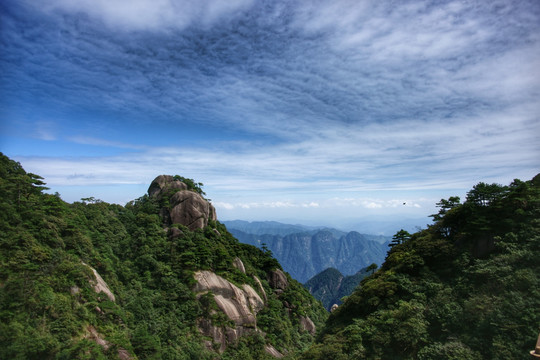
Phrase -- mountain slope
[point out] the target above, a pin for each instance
(329, 286)
(158, 278)
(467, 287)
(306, 254)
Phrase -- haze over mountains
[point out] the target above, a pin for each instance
(304, 252)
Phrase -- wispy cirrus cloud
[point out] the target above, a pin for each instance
(154, 15)
(300, 101)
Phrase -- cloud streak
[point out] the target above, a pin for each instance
(301, 101)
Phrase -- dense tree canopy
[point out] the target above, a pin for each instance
(467, 287)
(49, 309)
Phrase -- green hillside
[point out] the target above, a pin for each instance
(161, 278)
(92, 280)
(330, 285)
(467, 287)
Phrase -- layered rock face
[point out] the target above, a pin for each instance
(186, 207)
(240, 305)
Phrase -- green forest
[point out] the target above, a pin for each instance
(466, 287)
(49, 309)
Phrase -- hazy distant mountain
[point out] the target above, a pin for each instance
(305, 254)
(267, 227)
(330, 285)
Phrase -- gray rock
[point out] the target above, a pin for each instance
(100, 285)
(240, 305)
(164, 183)
(307, 324)
(278, 280)
(269, 349)
(186, 208)
(237, 263)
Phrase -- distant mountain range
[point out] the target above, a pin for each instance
(267, 227)
(331, 285)
(306, 251)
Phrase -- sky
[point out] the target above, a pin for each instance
(328, 112)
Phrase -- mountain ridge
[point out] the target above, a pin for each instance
(330, 285)
(158, 278)
(306, 254)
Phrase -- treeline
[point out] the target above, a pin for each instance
(467, 287)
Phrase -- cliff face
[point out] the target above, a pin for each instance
(306, 254)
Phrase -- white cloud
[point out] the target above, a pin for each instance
(322, 100)
(87, 140)
(151, 15)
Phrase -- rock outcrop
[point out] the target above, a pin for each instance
(98, 284)
(278, 281)
(92, 334)
(163, 184)
(261, 288)
(269, 349)
(185, 207)
(307, 324)
(239, 305)
(237, 263)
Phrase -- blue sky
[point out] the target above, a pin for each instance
(299, 111)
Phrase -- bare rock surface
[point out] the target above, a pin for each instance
(100, 285)
(92, 334)
(187, 207)
(307, 324)
(164, 183)
(272, 351)
(278, 280)
(240, 305)
(237, 263)
(256, 304)
(190, 209)
(261, 288)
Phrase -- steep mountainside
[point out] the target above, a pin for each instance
(306, 254)
(330, 286)
(159, 278)
(467, 287)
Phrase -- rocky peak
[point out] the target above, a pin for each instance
(186, 207)
(163, 183)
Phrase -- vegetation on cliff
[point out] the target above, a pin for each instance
(467, 287)
(92, 280)
(330, 285)
(52, 307)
